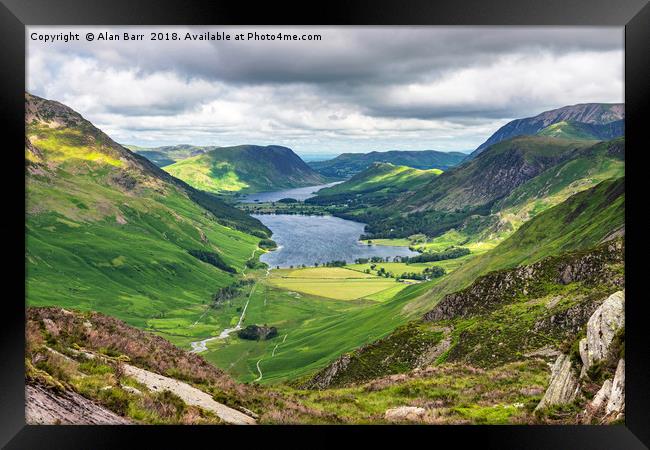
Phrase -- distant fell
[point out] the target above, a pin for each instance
(246, 169)
(586, 113)
(166, 155)
(347, 165)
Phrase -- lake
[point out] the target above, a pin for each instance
(297, 193)
(310, 239)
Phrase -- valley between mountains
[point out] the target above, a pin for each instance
(385, 287)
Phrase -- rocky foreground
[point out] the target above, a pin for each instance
(599, 360)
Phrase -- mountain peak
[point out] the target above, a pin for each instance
(587, 113)
(50, 112)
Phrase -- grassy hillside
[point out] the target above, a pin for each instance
(383, 177)
(109, 231)
(509, 324)
(86, 361)
(350, 164)
(164, 156)
(580, 222)
(245, 169)
(585, 169)
(464, 193)
(494, 173)
(581, 130)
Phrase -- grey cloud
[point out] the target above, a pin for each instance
(351, 71)
(350, 55)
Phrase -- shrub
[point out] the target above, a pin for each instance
(267, 244)
(450, 253)
(213, 259)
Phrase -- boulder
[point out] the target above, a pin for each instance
(401, 413)
(563, 385)
(51, 327)
(601, 329)
(597, 404)
(616, 403)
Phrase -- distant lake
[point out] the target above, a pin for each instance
(310, 239)
(297, 193)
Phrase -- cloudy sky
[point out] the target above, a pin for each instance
(355, 90)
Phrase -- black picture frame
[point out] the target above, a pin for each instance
(634, 15)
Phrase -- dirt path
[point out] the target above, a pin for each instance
(259, 370)
(189, 394)
(272, 355)
(277, 345)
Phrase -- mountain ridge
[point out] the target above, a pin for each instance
(169, 154)
(589, 113)
(245, 169)
(348, 164)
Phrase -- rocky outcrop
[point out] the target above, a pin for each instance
(326, 377)
(597, 405)
(563, 386)
(189, 394)
(496, 288)
(571, 320)
(404, 413)
(45, 406)
(609, 402)
(601, 329)
(408, 347)
(596, 351)
(616, 403)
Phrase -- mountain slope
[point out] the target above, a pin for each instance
(166, 155)
(470, 189)
(109, 231)
(349, 164)
(246, 168)
(372, 188)
(582, 221)
(493, 321)
(104, 371)
(588, 113)
(383, 176)
(493, 174)
(586, 168)
(581, 130)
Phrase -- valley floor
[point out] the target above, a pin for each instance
(319, 313)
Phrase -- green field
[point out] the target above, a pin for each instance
(336, 283)
(314, 324)
(317, 330)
